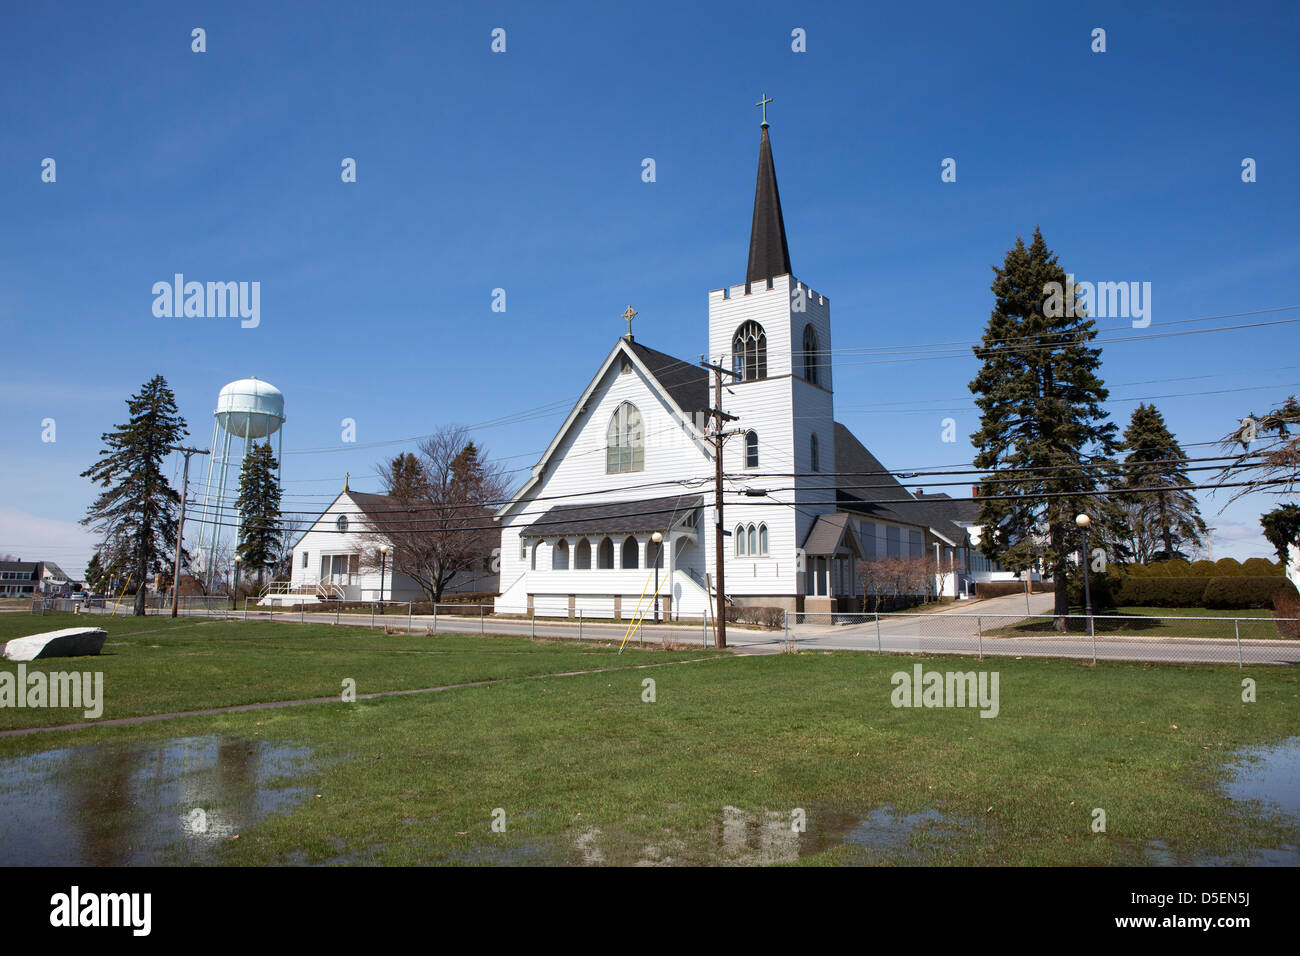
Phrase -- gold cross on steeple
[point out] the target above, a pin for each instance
(629, 315)
(763, 101)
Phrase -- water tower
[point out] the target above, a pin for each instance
(248, 411)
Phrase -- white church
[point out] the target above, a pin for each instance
(626, 486)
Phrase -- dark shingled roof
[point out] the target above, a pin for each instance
(827, 532)
(614, 517)
(769, 255)
(22, 567)
(862, 482)
(386, 509)
(686, 382)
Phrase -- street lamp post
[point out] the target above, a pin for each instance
(1083, 521)
(658, 539)
(234, 591)
(383, 559)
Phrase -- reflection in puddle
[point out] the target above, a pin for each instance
(142, 802)
(1270, 775)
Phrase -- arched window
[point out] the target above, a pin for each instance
(582, 555)
(605, 554)
(762, 539)
(560, 556)
(739, 535)
(810, 354)
(749, 352)
(752, 547)
(631, 552)
(624, 441)
(751, 449)
(812, 448)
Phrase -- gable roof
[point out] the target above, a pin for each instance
(22, 567)
(681, 384)
(615, 517)
(686, 382)
(827, 532)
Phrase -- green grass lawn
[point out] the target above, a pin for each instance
(584, 769)
(160, 665)
(1254, 623)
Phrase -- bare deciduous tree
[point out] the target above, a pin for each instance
(440, 528)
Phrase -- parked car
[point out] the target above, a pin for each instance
(78, 596)
(95, 600)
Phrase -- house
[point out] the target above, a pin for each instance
(804, 501)
(20, 578)
(336, 557)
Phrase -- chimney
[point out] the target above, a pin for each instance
(974, 491)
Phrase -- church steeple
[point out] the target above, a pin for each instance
(768, 254)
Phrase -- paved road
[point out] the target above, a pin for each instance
(963, 629)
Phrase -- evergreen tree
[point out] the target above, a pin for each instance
(404, 477)
(1169, 515)
(1043, 437)
(259, 511)
(1282, 529)
(137, 512)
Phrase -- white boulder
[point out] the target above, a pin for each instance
(70, 642)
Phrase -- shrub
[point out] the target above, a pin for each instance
(992, 589)
(1286, 605)
(750, 614)
(1160, 591)
(1244, 592)
(1104, 586)
(1261, 568)
(1203, 569)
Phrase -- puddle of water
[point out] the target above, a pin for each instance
(1270, 775)
(142, 802)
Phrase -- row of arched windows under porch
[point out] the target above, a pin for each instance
(601, 553)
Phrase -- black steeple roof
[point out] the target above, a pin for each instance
(768, 254)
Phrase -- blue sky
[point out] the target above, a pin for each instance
(522, 171)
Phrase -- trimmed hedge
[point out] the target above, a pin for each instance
(992, 589)
(1230, 593)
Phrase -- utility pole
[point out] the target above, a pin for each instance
(180, 525)
(719, 536)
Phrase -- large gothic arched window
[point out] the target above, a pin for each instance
(749, 352)
(624, 441)
(810, 354)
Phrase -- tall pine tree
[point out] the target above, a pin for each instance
(259, 511)
(136, 515)
(1043, 440)
(1166, 518)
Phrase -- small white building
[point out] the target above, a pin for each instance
(334, 558)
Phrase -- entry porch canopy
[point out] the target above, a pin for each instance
(831, 541)
(674, 516)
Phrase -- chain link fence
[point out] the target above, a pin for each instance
(1134, 637)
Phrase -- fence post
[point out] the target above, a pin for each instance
(480, 620)
(878, 648)
(640, 634)
(245, 609)
(979, 628)
(338, 609)
(410, 612)
(435, 617)
(1092, 633)
(787, 627)
(579, 625)
(532, 624)
(271, 611)
(372, 613)
(1236, 627)
(302, 614)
